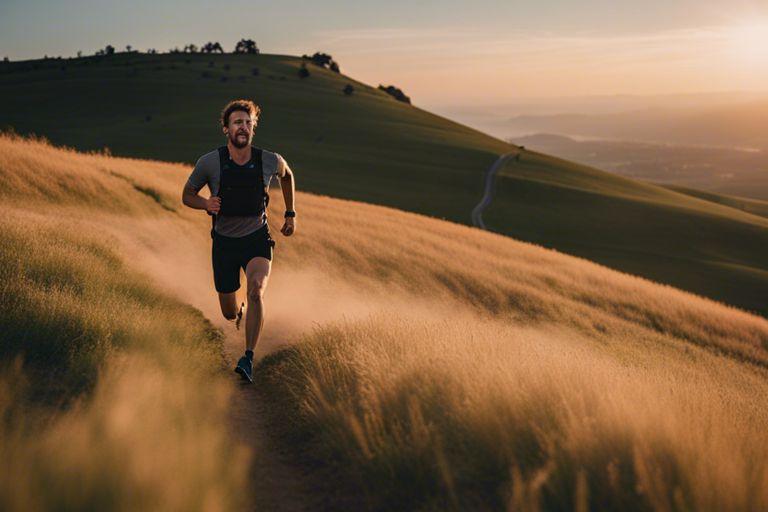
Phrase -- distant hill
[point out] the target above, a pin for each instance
(743, 125)
(753, 206)
(370, 147)
(718, 170)
(366, 146)
(494, 118)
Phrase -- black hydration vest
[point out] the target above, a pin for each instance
(241, 188)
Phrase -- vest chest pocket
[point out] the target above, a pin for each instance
(241, 200)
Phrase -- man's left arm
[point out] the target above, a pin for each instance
(288, 186)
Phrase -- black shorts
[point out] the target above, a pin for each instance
(230, 254)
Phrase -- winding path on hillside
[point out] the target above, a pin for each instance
(180, 264)
(490, 181)
(275, 482)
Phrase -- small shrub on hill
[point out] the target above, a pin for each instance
(210, 47)
(107, 50)
(323, 60)
(396, 93)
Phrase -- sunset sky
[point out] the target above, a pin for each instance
(450, 52)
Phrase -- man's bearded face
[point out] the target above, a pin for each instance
(240, 128)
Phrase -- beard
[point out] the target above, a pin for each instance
(235, 140)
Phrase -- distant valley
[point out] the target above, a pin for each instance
(724, 171)
(743, 125)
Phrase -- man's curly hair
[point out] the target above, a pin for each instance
(235, 105)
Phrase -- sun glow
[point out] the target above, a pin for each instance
(749, 42)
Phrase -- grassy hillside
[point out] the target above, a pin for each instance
(753, 206)
(372, 148)
(717, 250)
(526, 380)
(95, 358)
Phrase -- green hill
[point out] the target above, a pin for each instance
(367, 146)
(372, 148)
(695, 244)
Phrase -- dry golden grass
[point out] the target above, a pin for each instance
(151, 437)
(452, 368)
(459, 414)
(497, 276)
(111, 395)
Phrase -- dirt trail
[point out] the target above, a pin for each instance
(489, 188)
(176, 257)
(275, 483)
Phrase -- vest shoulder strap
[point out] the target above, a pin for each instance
(256, 154)
(223, 156)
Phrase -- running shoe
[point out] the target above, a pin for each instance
(245, 369)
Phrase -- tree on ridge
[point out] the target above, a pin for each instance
(246, 46)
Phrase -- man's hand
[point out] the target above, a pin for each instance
(289, 227)
(213, 205)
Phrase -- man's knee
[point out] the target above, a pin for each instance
(256, 291)
(229, 315)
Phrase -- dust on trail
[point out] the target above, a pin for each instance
(176, 257)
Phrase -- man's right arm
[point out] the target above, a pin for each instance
(197, 180)
(190, 197)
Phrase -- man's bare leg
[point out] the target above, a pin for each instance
(257, 275)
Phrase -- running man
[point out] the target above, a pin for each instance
(238, 178)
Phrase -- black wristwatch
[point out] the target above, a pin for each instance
(289, 213)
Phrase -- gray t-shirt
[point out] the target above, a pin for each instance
(207, 172)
